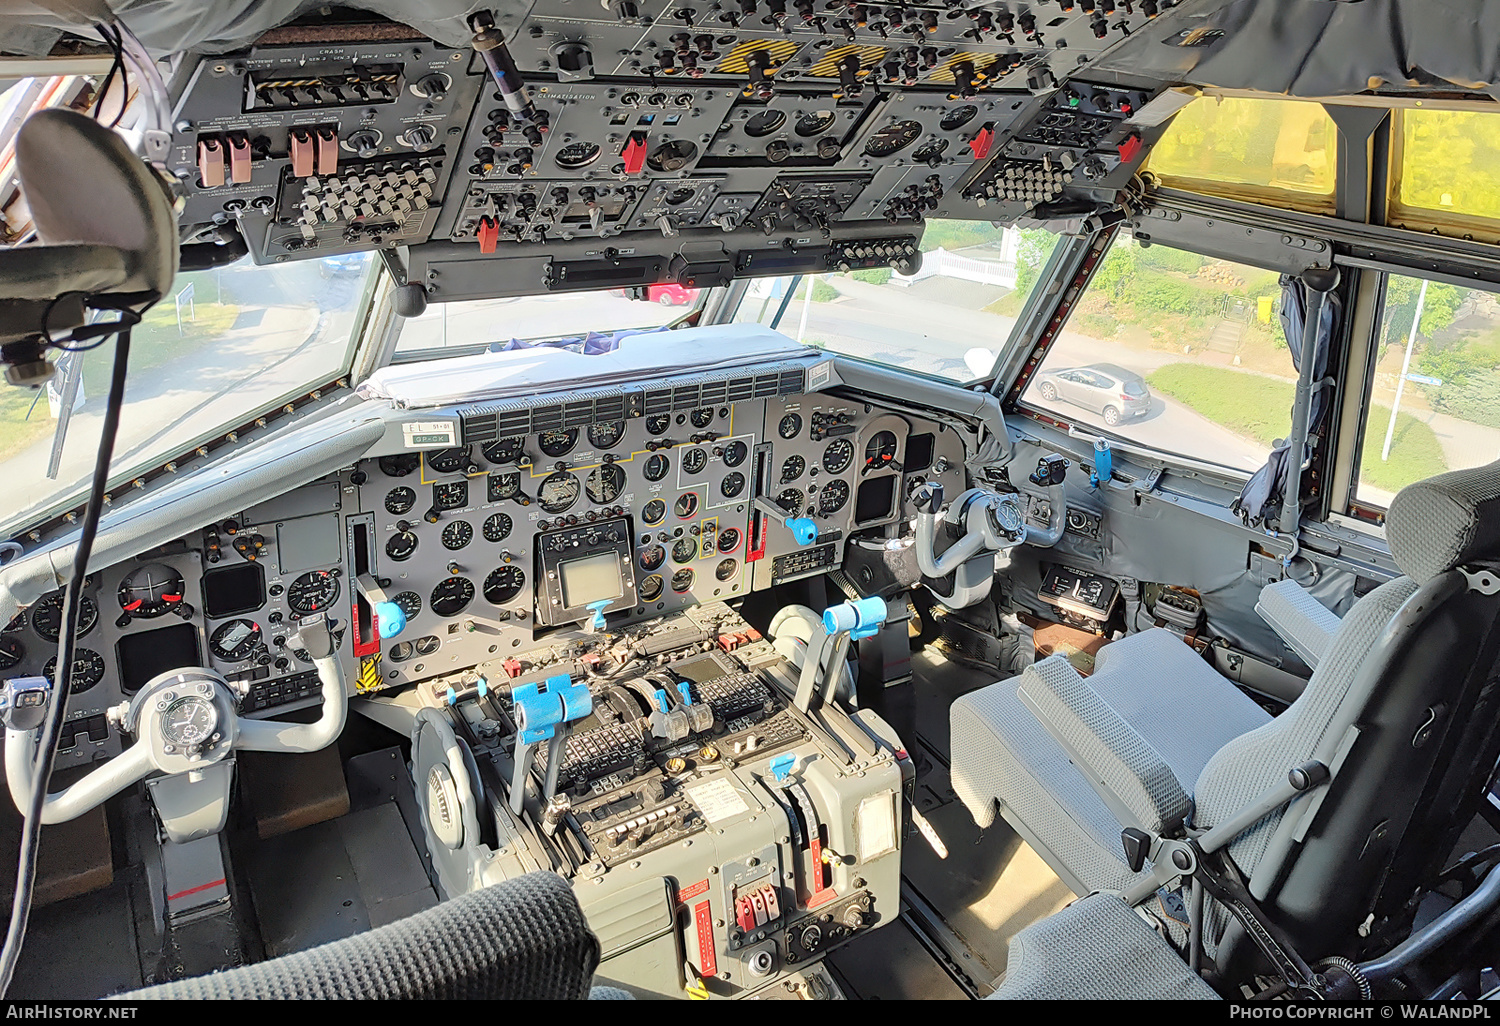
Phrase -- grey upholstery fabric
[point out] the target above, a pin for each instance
(1305, 624)
(1255, 761)
(1444, 521)
(523, 939)
(1003, 759)
(84, 185)
(1115, 759)
(1096, 949)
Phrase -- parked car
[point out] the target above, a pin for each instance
(343, 265)
(670, 294)
(1115, 392)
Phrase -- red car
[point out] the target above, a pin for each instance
(667, 295)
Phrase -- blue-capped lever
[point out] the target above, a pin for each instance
(390, 620)
(803, 529)
(543, 712)
(596, 621)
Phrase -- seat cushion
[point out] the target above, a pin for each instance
(1003, 758)
(1096, 949)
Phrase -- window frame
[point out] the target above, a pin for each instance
(1014, 405)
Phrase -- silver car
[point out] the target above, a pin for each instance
(1115, 392)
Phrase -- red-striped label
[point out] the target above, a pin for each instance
(708, 962)
(687, 894)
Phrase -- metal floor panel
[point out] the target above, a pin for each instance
(336, 879)
(82, 947)
(892, 965)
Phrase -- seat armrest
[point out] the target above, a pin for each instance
(1305, 624)
(1130, 775)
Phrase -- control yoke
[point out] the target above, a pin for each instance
(184, 721)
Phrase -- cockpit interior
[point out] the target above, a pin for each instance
(738, 499)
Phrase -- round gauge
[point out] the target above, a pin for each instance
(497, 528)
(189, 721)
(151, 590)
(732, 485)
(656, 467)
(658, 423)
(838, 456)
(930, 152)
(832, 498)
(558, 492)
(650, 588)
(503, 486)
(726, 569)
(88, 670)
(686, 505)
(685, 550)
(450, 597)
(399, 501)
(401, 651)
(729, 539)
(235, 640)
(47, 618)
(557, 443)
(457, 534)
(791, 501)
(576, 155)
(410, 603)
(792, 468)
(880, 451)
(764, 123)
(816, 123)
(503, 450)
(504, 584)
(1007, 517)
(790, 425)
(958, 117)
(701, 417)
(11, 653)
(449, 461)
(653, 556)
(693, 461)
(428, 645)
(401, 545)
(735, 453)
(654, 512)
(605, 436)
(605, 483)
(893, 138)
(682, 580)
(312, 591)
(400, 464)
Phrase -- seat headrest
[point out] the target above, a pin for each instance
(1445, 521)
(84, 185)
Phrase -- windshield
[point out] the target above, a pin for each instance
(224, 346)
(949, 319)
(477, 324)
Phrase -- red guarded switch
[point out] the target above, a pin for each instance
(634, 153)
(982, 141)
(744, 913)
(1129, 148)
(489, 234)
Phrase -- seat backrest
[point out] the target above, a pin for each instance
(1404, 707)
(521, 940)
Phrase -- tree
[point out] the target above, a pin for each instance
(1438, 310)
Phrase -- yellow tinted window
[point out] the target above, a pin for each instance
(1281, 145)
(1450, 162)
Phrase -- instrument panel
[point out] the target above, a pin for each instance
(493, 550)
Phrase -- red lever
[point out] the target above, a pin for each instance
(1129, 148)
(489, 234)
(634, 153)
(982, 141)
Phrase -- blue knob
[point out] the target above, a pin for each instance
(1104, 462)
(391, 619)
(861, 617)
(781, 766)
(803, 530)
(661, 700)
(597, 608)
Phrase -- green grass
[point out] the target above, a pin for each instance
(822, 292)
(1247, 404)
(1415, 451)
(1008, 305)
(16, 431)
(1259, 408)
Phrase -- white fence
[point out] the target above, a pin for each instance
(951, 265)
